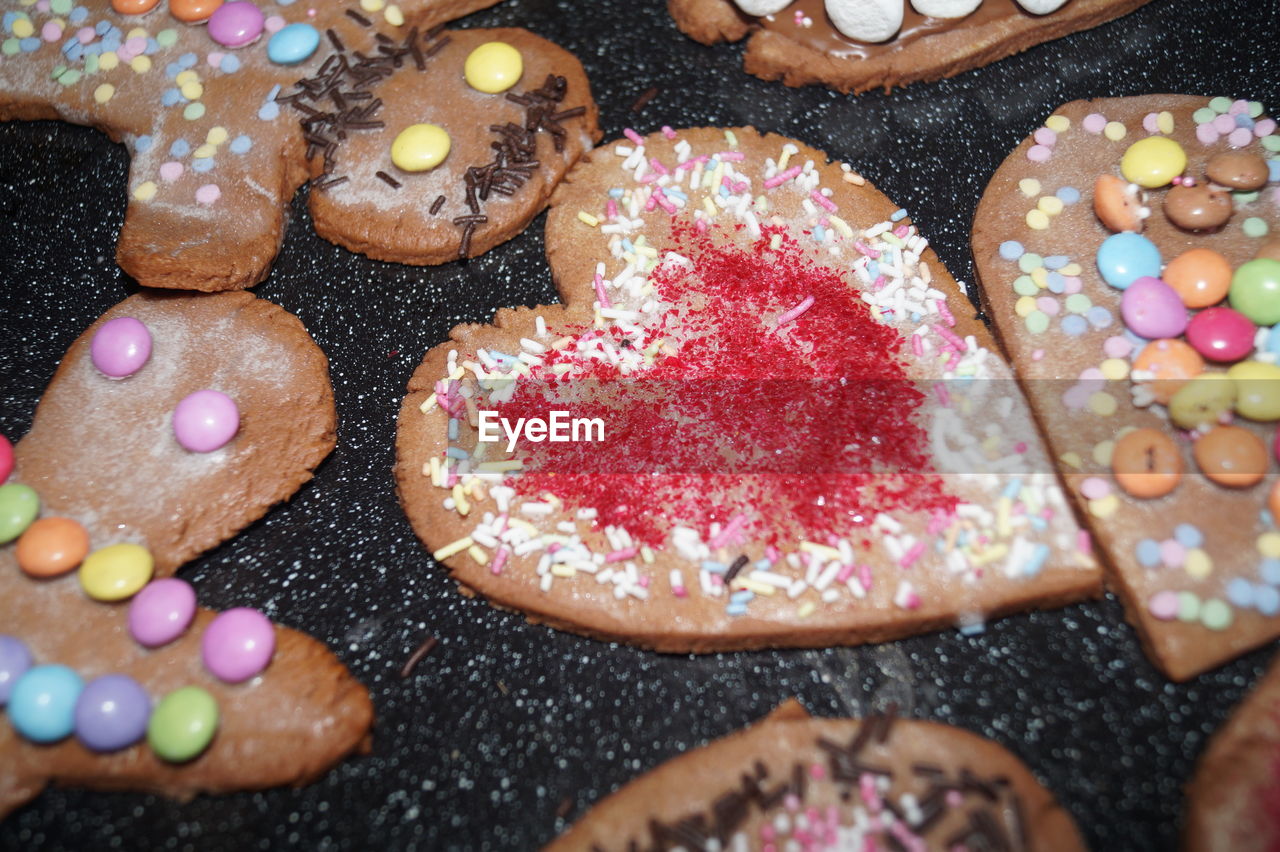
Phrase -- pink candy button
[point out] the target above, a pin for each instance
(205, 421)
(236, 24)
(238, 644)
(120, 347)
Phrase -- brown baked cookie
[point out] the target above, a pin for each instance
(1125, 252)
(798, 43)
(221, 134)
(173, 422)
(805, 436)
(792, 781)
(95, 439)
(1232, 801)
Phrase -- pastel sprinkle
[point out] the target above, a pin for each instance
(1188, 535)
(1115, 131)
(208, 194)
(145, 191)
(1215, 614)
(1164, 605)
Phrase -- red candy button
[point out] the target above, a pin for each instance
(6, 458)
(1221, 334)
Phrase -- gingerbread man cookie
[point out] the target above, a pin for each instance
(793, 781)
(175, 420)
(1127, 252)
(227, 108)
(764, 416)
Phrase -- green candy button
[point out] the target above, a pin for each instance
(183, 724)
(19, 505)
(1255, 290)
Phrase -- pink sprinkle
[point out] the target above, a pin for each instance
(1238, 107)
(633, 136)
(650, 178)
(791, 802)
(610, 209)
(1172, 553)
(1071, 284)
(273, 24)
(644, 582)
(664, 202)
(917, 346)
(651, 202)
(50, 31)
(782, 177)
(1206, 133)
(1094, 122)
(845, 572)
(668, 132)
(1048, 304)
(1039, 154)
(767, 831)
(658, 167)
(1164, 605)
(901, 231)
(1265, 127)
(554, 546)
(208, 194)
(731, 156)
(171, 171)
(717, 580)
(953, 361)
(136, 45)
(944, 396)
(1095, 488)
(949, 336)
(867, 789)
(693, 161)
(701, 226)
(1020, 447)
(451, 480)
(499, 559)
(1151, 122)
(739, 186)
(730, 531)
(84, 35)
(1084, 544)
(865, 249)
(1240, 137)
(805, 304)
(946, 315)
(621, 555)
(879, 283)
(954, 798)
(601, 295)
(909, 558)
(679, 591)
(864, 576)
(1037, 355)
(822, 201)
(904, 836)
(1045, 137)
(1224, 123)
(771, 553)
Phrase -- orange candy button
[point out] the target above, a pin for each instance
(1172, 363)
(1231, 456)
(1146, 463)
(1273, 500)
(1201, 276)
(52, 546)
(133, 7)
(1117, 204)
(193, 11)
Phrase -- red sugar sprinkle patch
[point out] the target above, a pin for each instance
(735, 388)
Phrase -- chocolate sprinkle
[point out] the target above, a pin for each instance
(735, 569)
(437, 204)
(358, 18)
(645, 96)
(388, 179)
(416, 657)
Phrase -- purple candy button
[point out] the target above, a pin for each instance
(15, 659)
(238, 644)
(205, 420)
(236, 24)
(112, 713)
(162, 611)
(120, 347)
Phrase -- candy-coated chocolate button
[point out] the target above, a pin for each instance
(1146, 463)
(193, 11)
(133, 7)
(1118, 204)
(116, 572)
(111, 713)
(1153, 162)
(420, 147)
(1273, 501)
(6, 458)
(1124, 258)
(1257, 390)
(1231, 456)
(15, 659)
(1203, 400)
(1255, 290)
(1238, 170)
(19, 505)
(52, 546)
(493, 67)
(1153, 309)
(205, 421)
(1171, 363)
(120, 347)
(1201, 276)
(162, 611)
(183, 724)
(1197, 208)
(1221, 334)
(293, 44)
(238, 644)
(42, 705)
(236, 24)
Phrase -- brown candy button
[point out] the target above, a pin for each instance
(1197, 208)
(1146, 463)
(1238, 170)
(1118, 204)
(1231, 456)
(1270, 249)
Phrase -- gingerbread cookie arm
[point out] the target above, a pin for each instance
(709, 21)
(103, 450)
(793, 773)
(304, 713)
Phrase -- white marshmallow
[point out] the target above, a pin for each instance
(762, 7)
(945, 8)
(1041, 7)
(866, 20)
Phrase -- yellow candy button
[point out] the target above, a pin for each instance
(420, 147)
(1153, 162)
(493, 67)
(1257, 390)
(117, 572)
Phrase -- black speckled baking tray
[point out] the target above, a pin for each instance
(507, 731)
